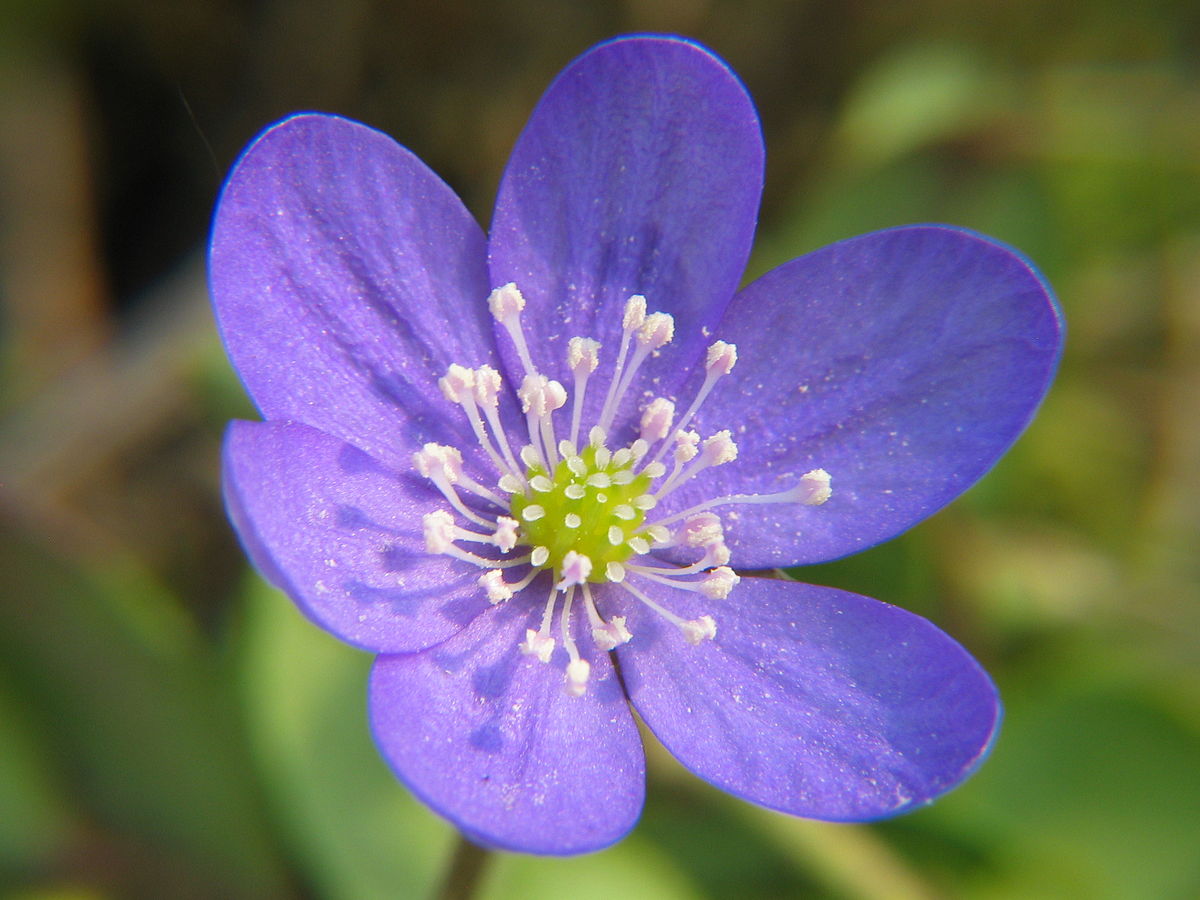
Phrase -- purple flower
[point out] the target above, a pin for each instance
(525, 468)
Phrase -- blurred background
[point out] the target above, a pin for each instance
(170, 727)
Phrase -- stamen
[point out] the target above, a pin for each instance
(443, 466)
(583, 355)
(506, 303)
(575, 569)
(487, 396)
(578, 670)
(718, 450)
(635, 316)
(813, 489)
(607, 635)
(656, 332)
(694, 630)
(719, 362)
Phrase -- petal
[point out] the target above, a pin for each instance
(813, 701)
(341, 534)
(913, 358)
(346, 278)
(490, 739)
(640, 171)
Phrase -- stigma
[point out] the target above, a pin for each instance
(582, 512)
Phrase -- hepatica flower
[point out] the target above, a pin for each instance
(535, 471)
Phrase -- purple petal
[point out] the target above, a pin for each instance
(347, 277)
(813, 701)
(640, 171)
(341, 534)
(903, 362)
(489, 738)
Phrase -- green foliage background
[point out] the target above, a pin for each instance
(170, 727)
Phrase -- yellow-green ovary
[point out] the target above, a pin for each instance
(596, 510)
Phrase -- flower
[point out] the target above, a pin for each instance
(503, 462)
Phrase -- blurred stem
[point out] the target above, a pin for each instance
(465, 874)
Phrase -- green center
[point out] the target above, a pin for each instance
(584, 523)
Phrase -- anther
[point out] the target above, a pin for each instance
(657, 418)
(578, 672)
(583, 355)
(506, 533)
(635, 313)
(492, 581)
(717, 584)
(656, 331)
(537, 645)
(506, 301)
(575, 569)
(697, 630)
(539, 556)
(611, 634)
(458, 383)
(533, 512)
(721, 358)
(814, 488)
(615, 571)
(439, 531)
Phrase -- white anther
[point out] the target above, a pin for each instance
(657, 418)
(719, 582)
(506, 533)
(506, 301)
(639, 448)
(702, 529)
(541, 484)
(575, 569)
(721, 358)
(492, 581)
(657, 330)
(576, 465)
(566, 449)
(433, 460)
(599, 480)
(529, 456)
(639, 545)
(540, 395)
(687, 445)
(716, 554)
(622, 457)
(697, 630)
(625, 476)
(533, 512)
(654, 470)
(574, 491)
(635, 313)
(457, 383)
(487, 386)
(572, 520)
(814, 488)
(645, 502)
(611, 634)
(509, 483)
(537, 644)
(583, 355)
(720, 449)
(616, 536)
(603, 457)
(578, 672)
(625, 512)
(615, 572)
(539, 556)
(439, 531)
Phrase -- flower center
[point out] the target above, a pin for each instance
(582, 514)
(594, 504)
